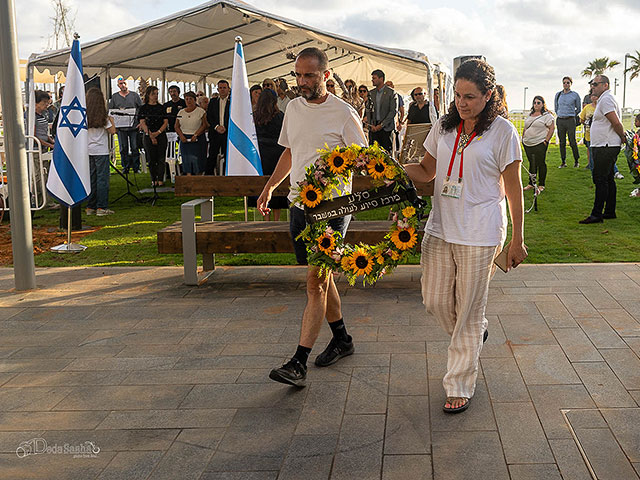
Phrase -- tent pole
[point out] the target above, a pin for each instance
(22, 240)
(108, 86)
(164, 86)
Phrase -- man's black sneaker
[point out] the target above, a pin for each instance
(335, 351)
(292, 373)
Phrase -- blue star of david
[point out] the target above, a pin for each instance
(65, 122)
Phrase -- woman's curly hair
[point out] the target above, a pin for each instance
(483, 76)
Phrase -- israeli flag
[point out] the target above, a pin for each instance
(69, 180)
(243, 156)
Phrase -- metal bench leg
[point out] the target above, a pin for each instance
(208, 259)
(189, 252)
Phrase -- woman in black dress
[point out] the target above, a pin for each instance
(154, 124)
(268, 120)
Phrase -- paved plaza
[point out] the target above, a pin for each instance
(143, 377)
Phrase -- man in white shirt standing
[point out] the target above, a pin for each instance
(607, 135)
(313, 121)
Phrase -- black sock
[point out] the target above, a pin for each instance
(302, 354)
(339, 330)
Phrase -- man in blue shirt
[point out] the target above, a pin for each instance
(567, 105)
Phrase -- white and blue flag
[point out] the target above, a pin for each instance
(243, 157)
(69, 180)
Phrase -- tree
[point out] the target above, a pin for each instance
(634, 68)
(599, 66)
(63, 25)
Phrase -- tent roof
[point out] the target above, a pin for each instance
(199, 42)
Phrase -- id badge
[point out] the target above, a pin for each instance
(452, 188)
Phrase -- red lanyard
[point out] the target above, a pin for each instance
(455, 150)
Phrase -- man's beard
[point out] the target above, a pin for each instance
(311, 93)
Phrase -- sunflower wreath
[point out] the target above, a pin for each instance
(325, 247)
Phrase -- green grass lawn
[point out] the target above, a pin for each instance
(552, 233)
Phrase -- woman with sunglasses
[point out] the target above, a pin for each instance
(538, 130)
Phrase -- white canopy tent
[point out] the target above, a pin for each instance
(196, 45)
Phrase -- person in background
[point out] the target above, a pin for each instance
(218, 120)
(436, 101)
(99, 127)
(586, 116)
(52, 111)
(502, 95)
(567, 106)
(41, 130)
(255, 92)
(127, 136)
(383, 112)
(400, 117)
(538, 130)
(284, 94)
(270, 84)
(190, 126)
(58, 102)
(268, 120)
(350, 95)
(418, 108)
(202, 100)
(173, 106)
(154, 124)
(331, 87)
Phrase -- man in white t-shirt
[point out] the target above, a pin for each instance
(607, 135)
(313, 121)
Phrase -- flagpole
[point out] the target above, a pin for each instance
(246, 210)
(22, 238)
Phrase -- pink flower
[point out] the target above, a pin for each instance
(329, 230)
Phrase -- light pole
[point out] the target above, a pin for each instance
(524, 107)
(624, 81)
(615, 86)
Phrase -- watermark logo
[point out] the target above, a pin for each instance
(39, 446)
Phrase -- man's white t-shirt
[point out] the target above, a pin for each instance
(309, 127)
(602, 132)
(479, 216)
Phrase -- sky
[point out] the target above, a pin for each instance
(530, 43)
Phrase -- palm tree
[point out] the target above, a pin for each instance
(634, 68)
(599, 66)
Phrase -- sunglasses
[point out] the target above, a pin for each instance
(362, 90)
(596, 83)
(331, 85)
(419, 93)
(537, 103)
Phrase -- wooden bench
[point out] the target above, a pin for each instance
(208, 237)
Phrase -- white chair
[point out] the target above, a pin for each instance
(173, 154)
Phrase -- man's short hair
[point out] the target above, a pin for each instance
(176, 87)
(282, 84)
(378, 73)
(319, 55)
(604, 79)
(223, 81)
(42, 95)
(567, 78)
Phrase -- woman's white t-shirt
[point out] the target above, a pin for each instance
(190, 122)
(479, 216)
(536, 129)
(98, 139)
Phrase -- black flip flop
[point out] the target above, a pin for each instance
(459, 409)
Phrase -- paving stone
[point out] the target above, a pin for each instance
(366, 360)
(6, 352)
(189, 455)
(550, 399)
(578, 305)
(359, 452)
(124, 440)
(576, 345)
(314, 375)
(587, 418)
(544, 364)
(9, 441)
(636, 395)
(257, 439)
(411, 333)
(136, 337)
(622, 322)
(120, 363)
(408, 374)
(33, 364)
(626, 365)
(124, 397)
(279, 349)
(526, 329)
(391, 347)
(605, 456)
(600, 333)
(239, 476)
(599, 297)
(569, 460)
(323, 409)
(516, 307)
(49, 314)
(19, 421)
(368, 390)
(309, 457)
(245, 396)
(89, 351)
(504, 380)
(408, 428)
(8, 312)
(47, 467)
(621, 289)
(523, 439)
(229, 361)
(483, 456)
(603, 385)
(127, 465)
(555, 314)
(534, 472)
(624, 422)
(181, 377)
(407, 467)
(233, 335)
(70, 379)
(479, 415)
(31, 398)
(154, 419)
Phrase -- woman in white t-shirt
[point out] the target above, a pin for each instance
(191, 124)
(538, 130)
(474, 156)
(100, 125)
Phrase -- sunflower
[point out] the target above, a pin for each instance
(376, 168)
(311, 196)
(345, 263)
(408, 212)
(350, 154)
(404, 238)
(379, 259)
(390, 172)
(326, 243)
(362, 263)
(395, 255)
(337, 162)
